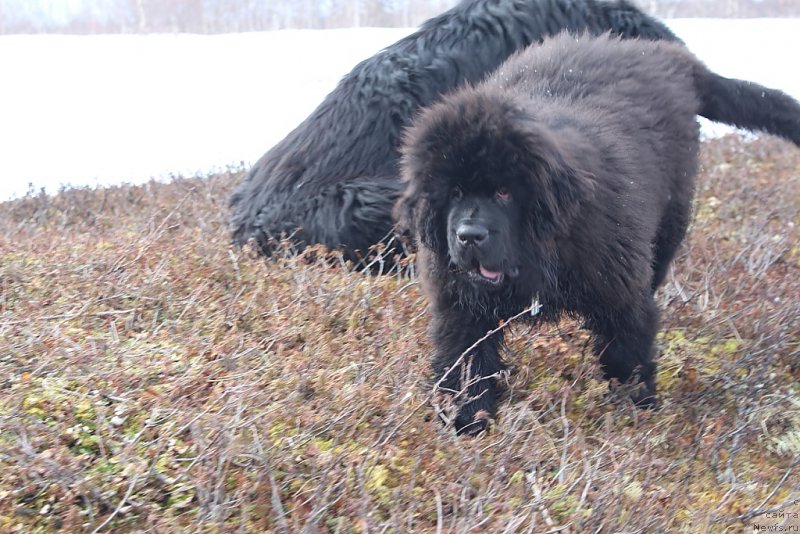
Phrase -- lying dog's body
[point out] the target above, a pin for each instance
(334, 179)
(566, 177)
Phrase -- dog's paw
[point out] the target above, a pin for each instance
(472, 424)
(468, 419)
(644, 398)
(642, 395)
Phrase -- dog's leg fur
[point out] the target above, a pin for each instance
(670, 235)
(472, 381)
(624, 343)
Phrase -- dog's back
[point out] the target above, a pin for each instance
(641, 82)
(646, 84)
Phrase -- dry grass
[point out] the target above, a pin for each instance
(155, 380)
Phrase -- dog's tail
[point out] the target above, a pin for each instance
(747, 105)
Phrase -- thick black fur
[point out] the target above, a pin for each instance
(334, 179)
(566, 177)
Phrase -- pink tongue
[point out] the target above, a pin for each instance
(491, 275)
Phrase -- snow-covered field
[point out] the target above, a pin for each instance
(86, 110)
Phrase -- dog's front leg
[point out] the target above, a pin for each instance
(465, 363)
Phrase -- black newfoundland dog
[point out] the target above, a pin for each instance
(565, 180)
(335, 178)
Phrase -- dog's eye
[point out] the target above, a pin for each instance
(456, 193)
(503, 194)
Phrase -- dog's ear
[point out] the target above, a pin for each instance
(417, 221)
(403, 215)
(556, 181)
(418, 218)
(431, 226)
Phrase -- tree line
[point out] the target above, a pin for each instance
(218, 16)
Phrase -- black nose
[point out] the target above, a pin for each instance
(471, 234)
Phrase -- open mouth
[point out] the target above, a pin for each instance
(484, 275)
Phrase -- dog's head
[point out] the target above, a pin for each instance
(483, 233)
(489, 187)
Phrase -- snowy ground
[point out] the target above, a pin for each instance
(87, 110)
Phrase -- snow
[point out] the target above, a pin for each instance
(96, 110)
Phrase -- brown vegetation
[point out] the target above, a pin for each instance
(155, 379)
